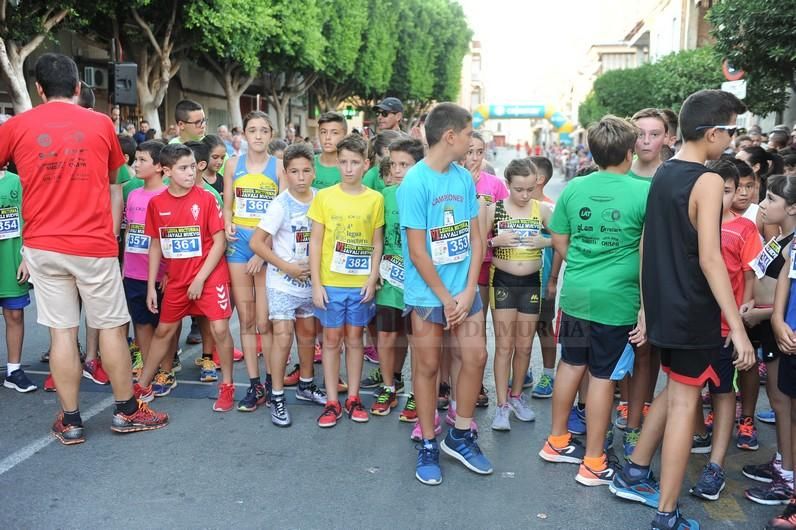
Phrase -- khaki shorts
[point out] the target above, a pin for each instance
(59, 279)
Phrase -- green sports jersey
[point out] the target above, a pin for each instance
(133, 184)
(646, 180)
(372, 179)
(391, 293)
(603, 215)
(325, 176)
(124, 175)
(10, 236)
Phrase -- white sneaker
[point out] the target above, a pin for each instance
(501, 421)
(519, 406)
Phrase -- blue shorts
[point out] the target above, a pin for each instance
(238, 251)
(436, 315)
(135, 294)
(15, 302)
(345, 307)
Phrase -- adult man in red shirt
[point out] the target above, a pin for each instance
(64, 155)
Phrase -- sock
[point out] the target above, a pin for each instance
(636, 472)
(559, 441)
(254, 381)
(581, 406)
(597, 464)
(207, 355)
(463, 423)
(304, 384)
(429, 443)
(452, 404)
(12, 367)
(127, 407)
(390, 388)
(459, 433)
(72, 418)
(513, 395)
(778, 457)
(268, 379)
(278, 393)
(668, 517)
(549, 372)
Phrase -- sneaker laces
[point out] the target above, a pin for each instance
(279, 406)
(631, 437)
(313, 388)
(385, 396)
(746, 428)
(470, 439)
(621, 410)
(329, 410)
(161, 378)
(426, 454)
(410, 403)
(208, 364)
(545, 382)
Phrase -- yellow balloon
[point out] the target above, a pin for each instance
(568, 127)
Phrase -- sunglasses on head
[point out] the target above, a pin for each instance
(729, 128)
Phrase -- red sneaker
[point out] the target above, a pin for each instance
(259, 345)
(237, 356)
(143, 419)
(332, 412)
(92, 370)
(226, 398)
(292, 379)
(49, 383)
(67, 434)
(144, 395)
(355, 410)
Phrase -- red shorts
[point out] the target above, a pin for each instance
(483, 277)
(214, 303)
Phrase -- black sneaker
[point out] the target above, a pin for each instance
(702, 445)
(255, 396)
(279, 414)
(765, 473)
(18, 381)
(678, 522)
(483, 398)
(444, 396)
(778, 492)
(373, 380)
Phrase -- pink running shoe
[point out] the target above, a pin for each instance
(450, 419)
(417, 434)
(372, 354)
(318, 358)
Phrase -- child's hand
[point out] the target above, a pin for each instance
(152, 300)
(745, 353)
(229, 231)
(22, 273)
(464, 302)
(509, 238)
(299, 270)
(552, 288)
(786, 339)
(319, 297)
(638, 335)
(750, 316)
(368, 291)
(537, 241)
(254, 265)
(195, 289)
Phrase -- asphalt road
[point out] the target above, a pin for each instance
(212, 470)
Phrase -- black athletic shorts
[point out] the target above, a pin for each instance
(523, 293)
(690, 367)
(135, 293)
(722, 365)
(391, 320)
(547, 315)
(586, 343)
(762, 336)
(786, 381)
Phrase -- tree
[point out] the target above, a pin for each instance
(454, 40)
(23, 28)
(233, 34)
(376, 58)
(678, 75)
(623, 92)
(758, 38)
(590, 110)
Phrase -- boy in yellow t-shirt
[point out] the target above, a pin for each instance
(346, 241)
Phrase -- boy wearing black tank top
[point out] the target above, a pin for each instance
(685, 289)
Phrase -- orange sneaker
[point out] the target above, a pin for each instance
(226, 398)
(332, 412)
(143, 419)
(595, 477)
(292, 379)
(142, 394)
(355, 410)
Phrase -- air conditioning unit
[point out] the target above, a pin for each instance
(95, 77)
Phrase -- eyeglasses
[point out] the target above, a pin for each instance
(197, 123)
(385, 113)
(729, 128)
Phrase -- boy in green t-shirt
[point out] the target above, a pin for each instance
(14, 287)
(392, 326)
(596, 227)
(332, 128)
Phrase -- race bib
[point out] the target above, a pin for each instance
(391, 270)
(137, 242)
(489, 199)
(524, 228)
(450, 244)
(766, 256)
(792, 272)
(302, 250)
(9, 223)
(181, 242)
(252, 203)
(351, 259)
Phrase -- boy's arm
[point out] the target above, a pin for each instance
(786, 339)
(555, 270)
(229, 198)
(464, 300)
(561, 244)
(117, 205)
(369, 290)
(416, 242)
(213, 257)
(319, 298)
(638, 335)
(749, 286)
(154, 257)
(707, 197)
(262, 243)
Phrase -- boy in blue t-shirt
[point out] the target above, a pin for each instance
(443, 251)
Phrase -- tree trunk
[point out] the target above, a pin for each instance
(11, 65)
(235, 84)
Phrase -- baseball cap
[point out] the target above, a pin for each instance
(390, 105)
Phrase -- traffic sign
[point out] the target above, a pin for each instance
(730, 72)
(736, 88)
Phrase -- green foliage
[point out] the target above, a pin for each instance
(376, 58)
(453, 38)
(590, 110)
(757, 36)
(28, 19)
(343, 28)
(623, 92)
(413, 73)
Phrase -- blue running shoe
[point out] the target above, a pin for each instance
(645, 490)
(630, 440)
(427, 470)
(767, 416)
(544, 388)
(528, 381)
(747, 435)
(609, 439)
(576, 424)
(677, 522)
(710, 484)
(466, 451)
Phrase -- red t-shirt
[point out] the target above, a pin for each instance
(740, 244)
(63, 155)
(184, 228)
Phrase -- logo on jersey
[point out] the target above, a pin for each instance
(585, 213)
(195, 211)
